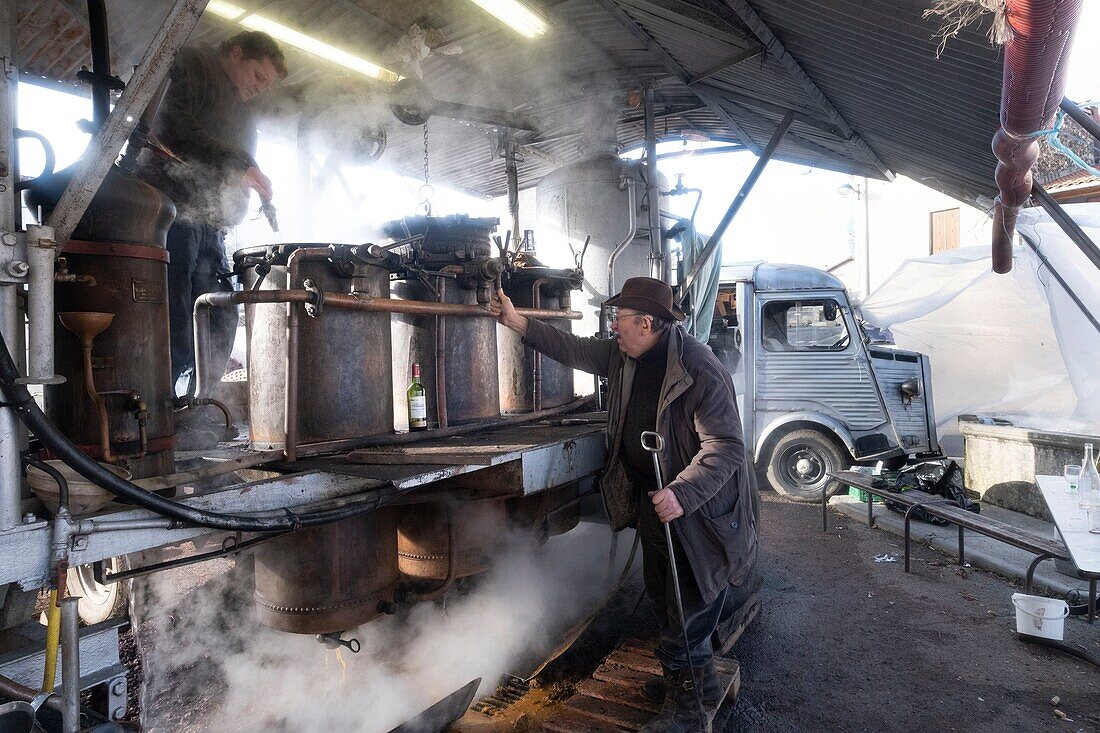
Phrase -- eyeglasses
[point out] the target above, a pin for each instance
(614, 315)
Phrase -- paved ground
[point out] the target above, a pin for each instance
(848, 644)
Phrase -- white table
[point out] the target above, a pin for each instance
(1072, 524)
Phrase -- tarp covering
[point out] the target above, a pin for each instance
(1014, 345)
(705, 289)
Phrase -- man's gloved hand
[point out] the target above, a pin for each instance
(667, 505)
(255, 179)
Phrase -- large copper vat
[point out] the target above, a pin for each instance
(465, 353)
(423, 539)
(120, 243)
(521, 369)
(547, 513)
(329, 578)
(343, 356)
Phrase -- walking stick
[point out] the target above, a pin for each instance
(654, 443)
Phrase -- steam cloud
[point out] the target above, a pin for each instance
(209, 665)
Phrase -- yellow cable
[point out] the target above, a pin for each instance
(53, 637)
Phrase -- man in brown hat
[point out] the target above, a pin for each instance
(660, 378)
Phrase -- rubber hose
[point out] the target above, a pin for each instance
(30, 414)
(53, 639)
(1060, 646)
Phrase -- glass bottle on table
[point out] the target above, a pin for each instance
(1088, 486)
(417, 402)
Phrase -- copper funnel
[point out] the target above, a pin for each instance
(86, 324)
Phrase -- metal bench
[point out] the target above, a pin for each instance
(1044, 548)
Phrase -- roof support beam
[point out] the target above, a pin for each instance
(757, 25)
(802, 117)
(745, 55)
(676, 69)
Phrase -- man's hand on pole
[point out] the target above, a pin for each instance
(502, 309)
(666, 504)
(255, 179)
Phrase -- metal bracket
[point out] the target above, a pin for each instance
(314, 309)
(13, 258)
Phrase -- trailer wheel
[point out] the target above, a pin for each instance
(800, 462)
(98, 602)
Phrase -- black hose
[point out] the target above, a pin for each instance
(19, 398)
(59, 479)
(1060, 646)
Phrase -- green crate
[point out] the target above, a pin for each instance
(862, 495)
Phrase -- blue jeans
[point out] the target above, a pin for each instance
(700, 619)
(197, 254)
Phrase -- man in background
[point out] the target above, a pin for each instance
(206, 122)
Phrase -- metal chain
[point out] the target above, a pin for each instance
(426, 191)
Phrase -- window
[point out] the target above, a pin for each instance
(803, 325)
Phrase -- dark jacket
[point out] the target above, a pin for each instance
(704, 457)
(203, 123)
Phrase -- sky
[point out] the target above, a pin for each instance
(817, 233)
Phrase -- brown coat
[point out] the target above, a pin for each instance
(704, 451)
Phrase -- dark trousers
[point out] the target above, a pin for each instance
(700, 619)
(197, 254)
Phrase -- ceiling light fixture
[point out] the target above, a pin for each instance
(299, 40)
(516, 15)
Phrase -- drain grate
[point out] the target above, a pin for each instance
(508, 692)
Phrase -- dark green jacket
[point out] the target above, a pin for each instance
(204, 124)
(704, 457)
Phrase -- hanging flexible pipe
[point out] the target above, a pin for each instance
(31, 415)
(631, 233)
(1033, 87)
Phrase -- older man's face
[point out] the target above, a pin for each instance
(634, 331)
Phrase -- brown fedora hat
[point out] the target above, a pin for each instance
(647, 295)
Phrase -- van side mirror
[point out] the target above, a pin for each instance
(830, 310)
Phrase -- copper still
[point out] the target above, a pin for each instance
(425, 533)
(315, 379)
(115, 263)
(449, 260)
(328, 578)
(529, 381)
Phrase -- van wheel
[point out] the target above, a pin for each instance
(800, 462)
(98, 602)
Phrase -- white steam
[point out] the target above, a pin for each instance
(209, 665)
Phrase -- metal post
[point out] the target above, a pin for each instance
(735, 206)
(108, 140)
(10, 473)
(512, 173)
(70, 665)
(41, 254)
(1066, 222)
(1081, 117)
(661, 266)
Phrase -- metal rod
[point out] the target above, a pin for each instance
(662, 268)
(631, 233)
(97, 399)
(1066, 222)
(734, 207)
(1061, 281)
(41, 254)
(108, 140)
(11, 473)
(512, 172)
(101, 61)
(1081, 117)
(70, 665)
(441, 359)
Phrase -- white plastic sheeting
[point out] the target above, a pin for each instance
(1014, 345)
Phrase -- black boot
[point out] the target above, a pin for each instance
(680, 711)
(655, 690)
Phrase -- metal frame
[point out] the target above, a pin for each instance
(757, 25)
(1067, 224)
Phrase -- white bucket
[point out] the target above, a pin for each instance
(1038, 616)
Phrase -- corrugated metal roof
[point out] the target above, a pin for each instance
(875, 60)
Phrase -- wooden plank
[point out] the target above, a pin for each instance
(634, 661)
(566, 720)
(620, 716)
(621, 676)
(735, 626)
(644, 647)
(628, 695)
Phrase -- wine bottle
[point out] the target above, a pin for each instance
(1088, 486)
(418, 402)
